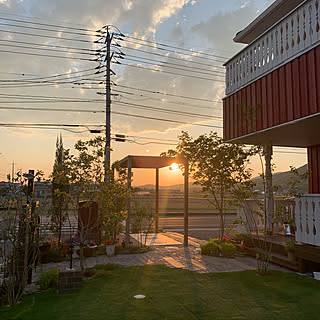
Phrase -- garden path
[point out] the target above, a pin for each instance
(168, 252)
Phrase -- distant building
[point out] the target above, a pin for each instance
(42, 190)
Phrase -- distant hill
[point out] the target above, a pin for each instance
(175, 187)
(282, 180)
(279, 179)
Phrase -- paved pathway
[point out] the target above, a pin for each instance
(168, 250)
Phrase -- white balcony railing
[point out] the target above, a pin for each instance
(308, 219)
(296, 33)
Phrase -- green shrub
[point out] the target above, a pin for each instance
(217, 241)
(49, 279)
(210, 248)
(216, 247)
(227, 249)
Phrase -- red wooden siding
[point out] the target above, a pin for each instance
(286, 94)
(314, 169)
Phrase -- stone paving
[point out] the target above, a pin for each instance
(172, 255)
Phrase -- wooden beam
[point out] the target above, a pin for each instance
(186, 201)
(127, 239)
(157, 200)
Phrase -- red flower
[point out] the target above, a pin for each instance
(228, 238)
(224, 239)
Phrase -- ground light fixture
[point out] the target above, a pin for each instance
(139, 296)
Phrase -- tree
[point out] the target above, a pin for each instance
(219, 168)
(19, 232)
(85, 172)
(60, 189)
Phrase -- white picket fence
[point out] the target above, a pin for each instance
(307, 215)
(295, 34)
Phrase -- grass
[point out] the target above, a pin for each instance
(176, 294)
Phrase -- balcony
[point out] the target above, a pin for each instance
(294, 35)
(307, 216)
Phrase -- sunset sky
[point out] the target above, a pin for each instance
(198, 35)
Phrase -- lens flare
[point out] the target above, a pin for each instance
(174, 167)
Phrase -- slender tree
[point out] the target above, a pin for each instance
(218, 167)
(60, 189)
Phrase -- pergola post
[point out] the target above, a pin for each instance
(268, 196)
(157, 200)
(127, 239)
(186, 201)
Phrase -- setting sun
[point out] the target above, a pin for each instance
(174, 167)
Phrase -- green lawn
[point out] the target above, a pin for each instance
(177, 294)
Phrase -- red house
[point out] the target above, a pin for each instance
(273, 94)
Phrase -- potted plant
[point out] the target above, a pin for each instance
(111, 246)
(290, 246)
(89, 249)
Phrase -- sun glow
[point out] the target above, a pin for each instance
(174, 167)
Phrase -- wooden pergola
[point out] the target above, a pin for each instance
(155, 162)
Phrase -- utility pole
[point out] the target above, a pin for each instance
(108, 107)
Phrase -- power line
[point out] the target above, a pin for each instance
(28, 96)
(113, 112)
(49, 45)
(46, 55)
(47, 19)
(161, 100)
(45, 36)
(166, 94)
(44, 29)
(173, 51)
(166, 120)
(180, 67)
(167, 110)
(174, 58)
(176, 47)
(168, 72)
(56, 76)
(60, 25)
(48, 50)
(135, 106)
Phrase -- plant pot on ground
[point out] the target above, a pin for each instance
(110, 249)
(89, 251)
(290, 246)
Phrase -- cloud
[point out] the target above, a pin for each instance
(224, 26)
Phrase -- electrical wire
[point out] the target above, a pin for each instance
(172, 73)
(46, 36)
(46, 55)
(180, 67)
(139, 106)
(48, 45)
(48, 50)
(175, 47)
(166, 94)
(173, 51)
(170, 57)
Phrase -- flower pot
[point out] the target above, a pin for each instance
(89, 252)
(110, 250)
(316, 275)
